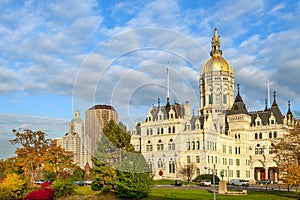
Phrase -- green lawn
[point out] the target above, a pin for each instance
(189, 194)
(182, 193)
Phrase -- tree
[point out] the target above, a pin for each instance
(37, 153)
(117, 164)
(58, 160)
(9, 166)
(288, 156)
(188, 171)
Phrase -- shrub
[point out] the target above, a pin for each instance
(13, 186)
(63, 188)
(206, 177)
(96, 186)
(132, 185)
(42, 194)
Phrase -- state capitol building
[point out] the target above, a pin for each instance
(223, 135)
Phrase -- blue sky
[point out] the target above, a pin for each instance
(60, 56)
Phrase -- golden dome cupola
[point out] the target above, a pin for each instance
(216, 62)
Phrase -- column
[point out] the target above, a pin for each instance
(266, 173)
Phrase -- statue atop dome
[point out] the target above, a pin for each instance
(215, 44)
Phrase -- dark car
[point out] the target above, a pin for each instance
(263, 182)
(178, 183)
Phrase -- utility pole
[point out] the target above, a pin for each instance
(214, 181)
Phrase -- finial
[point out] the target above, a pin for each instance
(215, 44)
(266, 102)
(274, 96)
(238, 88)
(158, 102)
(289, 103)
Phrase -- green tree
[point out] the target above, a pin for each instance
(105, 176)
(116, 163)
(134, 177)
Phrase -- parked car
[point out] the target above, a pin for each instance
(263, 182)
(239, 182)
(178, 183)
(38, 182)
(205, 183)
(79, 183)
(88, 182)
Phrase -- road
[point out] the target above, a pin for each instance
(255, 187)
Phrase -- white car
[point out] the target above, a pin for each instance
(239, 182)
(88, 182)
(205, 183)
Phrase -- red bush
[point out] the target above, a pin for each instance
(42, 194)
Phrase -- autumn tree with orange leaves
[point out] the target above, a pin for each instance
(37, 152)
(288, 156)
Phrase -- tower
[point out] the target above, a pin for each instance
(216, 86)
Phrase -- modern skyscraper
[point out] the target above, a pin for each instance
(96, 118)
(76, 140)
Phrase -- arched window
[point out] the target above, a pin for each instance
(149, 164)
(193, 145)
(255, 136)
(197, 145)
(147, 131)
(171, 145)
(173, 129)
(160, 146)
(188, 146)
(149, 146)
(160, 164)
(258, 149)
(270, 134)
(169, 129)
(158, 131)
(275, 134)
(260, 135)
(162, 131)
(171, 166)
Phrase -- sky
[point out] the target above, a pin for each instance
(64, 55)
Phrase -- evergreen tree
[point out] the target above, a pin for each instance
(116, 164)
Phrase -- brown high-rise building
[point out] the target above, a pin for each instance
(96, 118)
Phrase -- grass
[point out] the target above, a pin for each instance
(190, 194)
(182, 193)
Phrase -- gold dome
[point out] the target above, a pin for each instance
(216, 63)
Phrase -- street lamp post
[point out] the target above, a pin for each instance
(214, 182)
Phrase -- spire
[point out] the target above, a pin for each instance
(238, 106)
(158, 102)
(238, 97)
(215, 44)
(289, 107)
(266, 102)
(274, 101)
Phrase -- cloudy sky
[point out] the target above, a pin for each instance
(64, 55)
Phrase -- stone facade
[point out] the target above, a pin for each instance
(223, 134)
